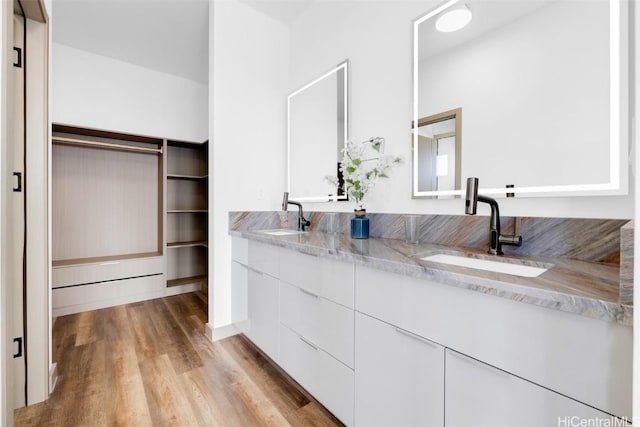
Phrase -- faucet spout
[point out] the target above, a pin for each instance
(495, 245)
(302, 221)
(496, 240)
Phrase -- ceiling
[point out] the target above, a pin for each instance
(282, 10)
(170, 36)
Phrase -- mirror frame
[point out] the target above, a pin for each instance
(424, 121)
(344, 65)
(618, 115)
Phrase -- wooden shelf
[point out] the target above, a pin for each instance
(188, 144)
(187, 244)
(190, 177)
(186, 280)
(100, 259)
(187, 211)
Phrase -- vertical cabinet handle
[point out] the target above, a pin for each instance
(18, 63)
(18, 353)
(18, 187)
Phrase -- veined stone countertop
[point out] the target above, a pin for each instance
(585, 288)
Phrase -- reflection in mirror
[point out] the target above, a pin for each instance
(317, 130)
(543, 84)
(437, 153)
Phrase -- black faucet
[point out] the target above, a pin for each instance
(496, 239)
(302, 222)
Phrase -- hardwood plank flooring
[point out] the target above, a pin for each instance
(150, 364)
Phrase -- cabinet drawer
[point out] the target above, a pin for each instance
(330, 279)
(325, 323)
(240, 250)
(328, 380)
(399, 380)
(75, 299)
(480, 395)
(78, 274)
(586, 359)
(263, 257)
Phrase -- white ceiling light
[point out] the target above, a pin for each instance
(454, 19)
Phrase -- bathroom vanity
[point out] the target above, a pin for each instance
(381, 337)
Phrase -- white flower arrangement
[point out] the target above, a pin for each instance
(363, 163)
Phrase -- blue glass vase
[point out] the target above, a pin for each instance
(360, 225)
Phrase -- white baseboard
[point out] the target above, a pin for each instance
(222, 332)
(53, 377)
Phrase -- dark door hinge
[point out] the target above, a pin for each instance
(19, 60)
(19, 183)
(19, 353)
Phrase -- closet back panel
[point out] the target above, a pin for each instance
(186, 161)
(186, 227)
(183, 194)
(186, 262)
(104, 202)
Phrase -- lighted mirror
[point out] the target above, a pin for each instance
(543, 86)
(317, 132)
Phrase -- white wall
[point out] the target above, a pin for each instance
(376, 37)
(247, 128)
(94, 91)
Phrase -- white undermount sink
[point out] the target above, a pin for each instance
(281, 232)
(487, 265)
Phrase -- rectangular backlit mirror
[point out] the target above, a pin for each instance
(542, 86)
(317, 116)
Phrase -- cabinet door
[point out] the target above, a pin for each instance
(399, 377)
(239, 296)
(262, 310)
(480, 395)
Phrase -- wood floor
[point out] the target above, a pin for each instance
(149, 364)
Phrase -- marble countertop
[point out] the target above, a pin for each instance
(579, 287)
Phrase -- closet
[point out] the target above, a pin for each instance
(129, 218)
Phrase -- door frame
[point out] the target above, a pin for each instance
(38, 310)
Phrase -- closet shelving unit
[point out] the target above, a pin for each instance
(187, 213)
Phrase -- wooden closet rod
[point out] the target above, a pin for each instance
(105, 145)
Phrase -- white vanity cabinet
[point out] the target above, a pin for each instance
(482, 396)
(378, 348)
(399, 376)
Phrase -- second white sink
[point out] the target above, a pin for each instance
(487, 265)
